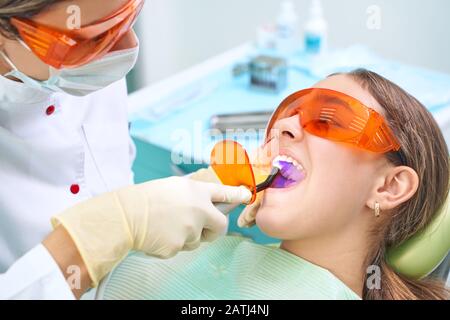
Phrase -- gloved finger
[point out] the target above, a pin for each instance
(226, 208)
(166, 251)
(209, 235)
(216, 225)
(228, 194)
(192, 245)
(248, 216)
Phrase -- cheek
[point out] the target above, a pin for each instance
(337, 191)
(340, 175)
(333, 195)
(26, 61)
(316, 212)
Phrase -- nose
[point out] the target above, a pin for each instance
(128, 41)
(288, 129)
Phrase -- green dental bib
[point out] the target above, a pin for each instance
(229, 268)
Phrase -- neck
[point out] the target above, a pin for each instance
(342, 253)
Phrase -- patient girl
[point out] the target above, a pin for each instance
(355, 199)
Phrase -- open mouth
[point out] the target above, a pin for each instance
(291, 172)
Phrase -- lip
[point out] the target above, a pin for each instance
(288, 153)
(283, 190)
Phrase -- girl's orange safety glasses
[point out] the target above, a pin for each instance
(338, 117)
(70, 49)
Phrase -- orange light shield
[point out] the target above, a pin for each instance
(231, 163)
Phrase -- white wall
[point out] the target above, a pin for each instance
(176, 34)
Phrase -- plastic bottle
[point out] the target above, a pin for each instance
(266, 37)
(316, 30)
(287, 39)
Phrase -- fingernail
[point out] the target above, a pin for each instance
(241, 224)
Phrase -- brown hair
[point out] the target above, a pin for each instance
(19, 8)
(423, 149)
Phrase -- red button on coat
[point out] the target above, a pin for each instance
(50, 110)
(74, 188)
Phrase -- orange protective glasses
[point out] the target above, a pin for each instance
(338, 117)
(70, 49)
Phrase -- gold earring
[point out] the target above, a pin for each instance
(377, 209)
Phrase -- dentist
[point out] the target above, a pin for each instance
(65, 148)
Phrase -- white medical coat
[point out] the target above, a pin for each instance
(55, 151)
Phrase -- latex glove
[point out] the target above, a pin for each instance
(247, 218)
(208, 175)
(160, 218)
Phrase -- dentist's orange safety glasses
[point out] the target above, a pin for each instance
(338, 117)
(73, 48)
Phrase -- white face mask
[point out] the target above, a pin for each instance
(85, 79)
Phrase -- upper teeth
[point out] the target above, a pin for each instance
(289, 159)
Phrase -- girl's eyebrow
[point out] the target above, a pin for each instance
(337, 101)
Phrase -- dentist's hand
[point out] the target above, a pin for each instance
(160, 218)
(208, 175)
(247, 218)
(261, 160)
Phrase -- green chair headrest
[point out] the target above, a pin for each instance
(418, 256)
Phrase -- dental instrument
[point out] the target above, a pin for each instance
(230, 162)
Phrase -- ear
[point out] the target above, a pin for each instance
(395, 187)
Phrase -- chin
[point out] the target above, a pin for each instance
(272, 223)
